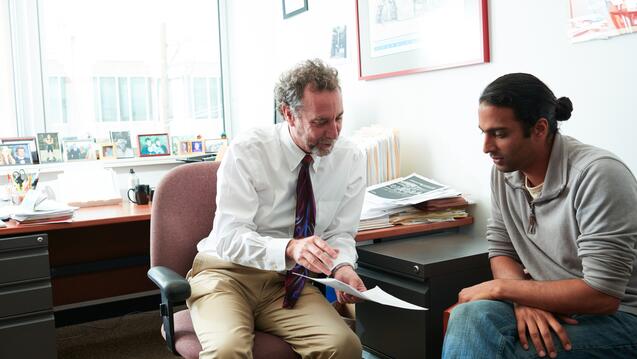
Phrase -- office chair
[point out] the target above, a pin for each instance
(182, 213)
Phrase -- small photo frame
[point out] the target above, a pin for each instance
(107, 151)
(123, 147)
(196, 146)
(176, 144)
(156, 144)
(215, 145)
(184, 147)
(31, 144)
(49, 149)
(293, 7)
(6, 155)
(79, 150)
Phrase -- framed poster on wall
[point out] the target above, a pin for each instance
(399, 37)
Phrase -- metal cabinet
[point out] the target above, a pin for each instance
(428, 271)
(27, 325)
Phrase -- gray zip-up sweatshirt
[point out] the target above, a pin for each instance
(583, 224)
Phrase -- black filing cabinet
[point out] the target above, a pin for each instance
(27, 325)
(428, 271)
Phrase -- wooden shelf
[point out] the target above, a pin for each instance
(401, 230)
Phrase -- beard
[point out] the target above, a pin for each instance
(323, 147)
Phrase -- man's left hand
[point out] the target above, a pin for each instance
(346, 274)
(486, 290)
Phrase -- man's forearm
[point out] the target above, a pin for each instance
(504, 267)
(569, 296)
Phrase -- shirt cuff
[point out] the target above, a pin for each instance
(276, 252)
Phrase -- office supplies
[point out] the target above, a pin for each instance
(35, 179)
(19, 177)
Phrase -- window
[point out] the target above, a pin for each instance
(87, 67)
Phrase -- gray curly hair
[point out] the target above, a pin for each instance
(289, 89)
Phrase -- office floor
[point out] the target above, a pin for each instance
(130, 336)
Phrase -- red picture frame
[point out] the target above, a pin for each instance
(394, 41)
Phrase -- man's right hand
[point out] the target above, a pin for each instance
(312, 253)
(539, 324)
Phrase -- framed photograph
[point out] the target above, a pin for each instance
(176, 144)
(293, 7)
(6, 156)
(184, 147)
(79, 150)
(215, 145)
(30, 142)
(123, 146)
(107, 151)
(196, 146)
(156, 144)
(405, 37)
(49, 148)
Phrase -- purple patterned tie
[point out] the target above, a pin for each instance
(303, 227)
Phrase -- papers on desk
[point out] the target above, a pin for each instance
(375, 294)
(393, 196)
(390, 203)
(37, 208)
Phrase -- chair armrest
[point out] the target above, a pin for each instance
(173, 287)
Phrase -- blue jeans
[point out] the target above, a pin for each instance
(487, 329)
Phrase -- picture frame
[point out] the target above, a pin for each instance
(401, 37)
(79, 149)
(196, 146)
(293, 7)
(107, 151)
(184, 147)
(214, 145)
(29, 141)
(123, 145)
(154, 144)
(15, 154)
(49, 147)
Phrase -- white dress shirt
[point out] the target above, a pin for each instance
(256, 199)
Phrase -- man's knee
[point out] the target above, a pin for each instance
(347, 345)
(478, 312)
(227, 346)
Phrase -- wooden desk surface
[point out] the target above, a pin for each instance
(127, 212)
(86, 217)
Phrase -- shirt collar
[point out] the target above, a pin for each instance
(293, 154)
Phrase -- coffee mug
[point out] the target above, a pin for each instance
(142, 194)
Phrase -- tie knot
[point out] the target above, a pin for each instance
(307, 160)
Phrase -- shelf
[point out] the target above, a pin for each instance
(401, 230)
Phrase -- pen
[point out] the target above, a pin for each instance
(35, 180)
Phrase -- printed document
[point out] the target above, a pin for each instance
(375, 294)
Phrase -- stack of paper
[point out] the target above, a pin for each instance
(393, 202)
(36, 208)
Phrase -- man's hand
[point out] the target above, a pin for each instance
(539, 324)
(346, 274)
(483, 291)
(312, 253)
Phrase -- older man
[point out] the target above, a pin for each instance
(288, 202)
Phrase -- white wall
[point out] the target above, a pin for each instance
(436, 112)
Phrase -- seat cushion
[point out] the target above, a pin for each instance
(266, 346)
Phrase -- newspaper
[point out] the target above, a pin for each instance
(397, 195)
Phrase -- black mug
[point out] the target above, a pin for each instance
(142, 194)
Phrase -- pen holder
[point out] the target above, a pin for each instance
(16, 194)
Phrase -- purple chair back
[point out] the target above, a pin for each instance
(184, 206)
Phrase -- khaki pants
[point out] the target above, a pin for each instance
(229, 302)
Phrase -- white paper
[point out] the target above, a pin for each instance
(375, 294)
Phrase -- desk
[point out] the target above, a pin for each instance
(103, 255)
